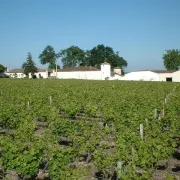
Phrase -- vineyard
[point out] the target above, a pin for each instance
(89, 130)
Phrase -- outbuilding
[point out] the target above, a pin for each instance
(153, 75)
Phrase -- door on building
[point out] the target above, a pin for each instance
(169, 79)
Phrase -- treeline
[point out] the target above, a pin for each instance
(75, 56)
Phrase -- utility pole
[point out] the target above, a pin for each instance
(56, 69)
(56, 64)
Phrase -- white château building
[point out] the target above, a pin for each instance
(105, 72)
(81, 72)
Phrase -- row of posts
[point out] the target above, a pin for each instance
(119, 163)
(50, 101)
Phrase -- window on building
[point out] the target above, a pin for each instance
(169, 79)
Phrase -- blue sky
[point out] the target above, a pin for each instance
(140, 30)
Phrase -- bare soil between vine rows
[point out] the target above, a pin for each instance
(172, 169)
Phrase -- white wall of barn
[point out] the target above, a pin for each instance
(96, 75)
(175, 76)
(163, 76)
(141, 76)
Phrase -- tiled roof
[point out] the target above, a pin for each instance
(80, 68)
(43, 70)
(164, 71)
(22, 70)
(16, 71)
(157, 71)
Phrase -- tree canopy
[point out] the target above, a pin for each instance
(48, 56)
(72, 56)
(172, 59)
(99, 54)
(2, 68)
(29, 66)
(75, 56)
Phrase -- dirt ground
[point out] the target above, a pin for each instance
(171, 170)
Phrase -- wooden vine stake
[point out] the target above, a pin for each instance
(163, 111)
(159, 118)
(155, 113)
(50, 99)
(133, 152)
(28, 104)
(146, 120)
(141, 131)
(119, 167)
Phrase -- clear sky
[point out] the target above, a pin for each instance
(140, 30)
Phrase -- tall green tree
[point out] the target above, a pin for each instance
(2, 68)
(172, 59)
(101, 53)
(29, 66)
(48, 56)
(98, 55)
(117, 61)
(72, 56)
